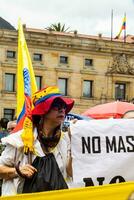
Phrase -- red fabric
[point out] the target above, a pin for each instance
(43, 107)
(19, 126)
(26, 113)
(104, 111)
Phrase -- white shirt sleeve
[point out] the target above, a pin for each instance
(8, 156)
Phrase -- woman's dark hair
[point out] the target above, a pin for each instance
(36, 119)
(3, 122)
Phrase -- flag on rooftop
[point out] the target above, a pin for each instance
(123, 27)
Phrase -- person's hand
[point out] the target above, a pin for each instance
(27, 170)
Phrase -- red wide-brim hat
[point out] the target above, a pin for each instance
(44, 98)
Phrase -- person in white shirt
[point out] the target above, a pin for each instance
(50, 145)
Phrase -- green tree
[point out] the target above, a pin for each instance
(57, 27)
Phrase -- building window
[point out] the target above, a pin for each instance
(11, 54)
(87, 88)
(88, 62)
(37, 57)
(62, 83)
(38, 81)
(10, 82)
(120, 91)
(9, 113)
(63, 59)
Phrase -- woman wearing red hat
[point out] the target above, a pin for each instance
(51, 160)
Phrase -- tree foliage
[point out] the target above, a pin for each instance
(57, 27)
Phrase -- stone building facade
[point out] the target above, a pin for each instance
(90, 69)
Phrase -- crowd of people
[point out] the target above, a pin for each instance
(49, 166)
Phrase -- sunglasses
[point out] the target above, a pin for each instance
(58, 106)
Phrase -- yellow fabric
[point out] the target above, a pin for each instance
(24, 60)
(44, 92)
(28, 136)
(122, 191)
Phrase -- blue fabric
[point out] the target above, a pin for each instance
(47, 97)
(3, 134)
(27, 87)
(22, 113)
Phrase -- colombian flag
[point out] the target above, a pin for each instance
(123, 27)
(26, 86)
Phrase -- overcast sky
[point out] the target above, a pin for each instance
(86, 16)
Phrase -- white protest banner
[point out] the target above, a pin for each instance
(102, 151)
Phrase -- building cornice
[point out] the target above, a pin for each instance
(68, 42)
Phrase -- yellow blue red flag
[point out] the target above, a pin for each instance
(26, 83)
(123, 27)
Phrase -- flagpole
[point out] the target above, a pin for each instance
(111, 24)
